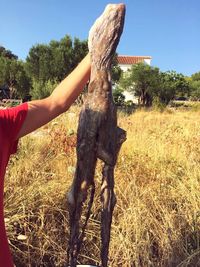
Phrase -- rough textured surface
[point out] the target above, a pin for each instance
(105, 34)
(98, 134)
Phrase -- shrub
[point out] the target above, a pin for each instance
(118, 97)
(42, 89)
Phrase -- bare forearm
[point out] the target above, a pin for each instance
(68, 90)
(42, 111)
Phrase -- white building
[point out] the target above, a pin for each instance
(125, 63)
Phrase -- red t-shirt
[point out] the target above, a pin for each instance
(11, 120)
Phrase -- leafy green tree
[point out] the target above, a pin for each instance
(55, 60)
(196, 76)
(80, 49)
(62, 58)
(118, 96)
(172, 84)
(194, 81)
(116, 71)
(38, 62)
(7, 53)
(150, 85)
(143, 81)
(13, 75)
(195, 90)
(42, 89)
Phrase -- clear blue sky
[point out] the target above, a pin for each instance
(167, 30)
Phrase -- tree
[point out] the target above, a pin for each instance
(195, 86)
(116, 71)
(172, 84)
(42, 89)
(62, 58)
(7, 53)
(143, 81)
(150, 84)
(196, 76)
(118, 97)
(80, 49)
(55, 60)
(39, 62)
(13, 75)
(195, 90)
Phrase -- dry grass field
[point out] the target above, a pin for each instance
(157, 182)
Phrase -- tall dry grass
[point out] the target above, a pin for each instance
(157, 182)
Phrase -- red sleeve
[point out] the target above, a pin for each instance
(13, 119)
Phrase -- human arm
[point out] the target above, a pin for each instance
(42, 111)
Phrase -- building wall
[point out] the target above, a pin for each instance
(124, 68)
(147, 61)
(129, 96)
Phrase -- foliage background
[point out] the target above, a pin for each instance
(47, 64)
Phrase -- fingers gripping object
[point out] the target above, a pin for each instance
(98, 136)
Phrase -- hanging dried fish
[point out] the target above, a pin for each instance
(98, 134)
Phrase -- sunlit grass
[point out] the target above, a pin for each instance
(157, 182)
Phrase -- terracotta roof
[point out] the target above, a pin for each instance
(129, 60)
